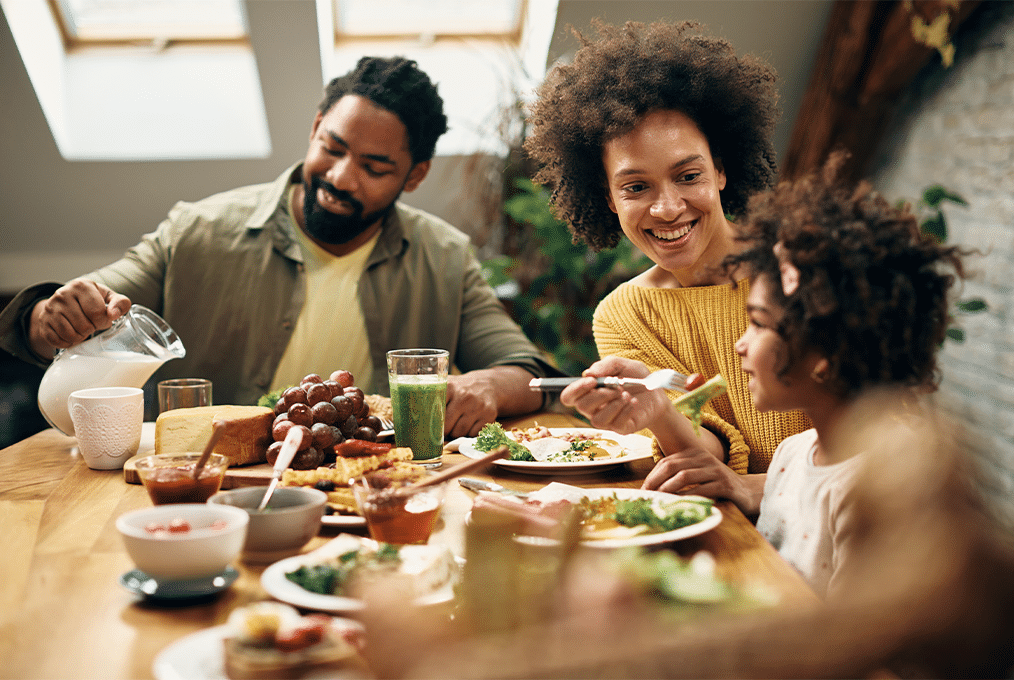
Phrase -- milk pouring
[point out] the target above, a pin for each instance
(124, 355)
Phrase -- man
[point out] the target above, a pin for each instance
(319, 270)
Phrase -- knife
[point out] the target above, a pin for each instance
(473, 484)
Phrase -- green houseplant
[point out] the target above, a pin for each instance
(557, 282)
(933, 223)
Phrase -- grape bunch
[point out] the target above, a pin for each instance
(330, 411)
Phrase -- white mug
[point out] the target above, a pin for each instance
(107, 424)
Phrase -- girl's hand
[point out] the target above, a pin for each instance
(697, 471)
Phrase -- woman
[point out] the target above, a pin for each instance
(658, 133)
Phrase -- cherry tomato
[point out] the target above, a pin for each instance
(694, 380)
(179, 526)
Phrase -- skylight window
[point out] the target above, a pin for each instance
(433, 18)
(92, 21)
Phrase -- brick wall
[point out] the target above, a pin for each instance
(956, 128)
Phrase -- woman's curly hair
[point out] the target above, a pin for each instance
(873, 290)
(629, 72)
(396, 84)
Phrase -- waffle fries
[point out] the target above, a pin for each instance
(396, 463)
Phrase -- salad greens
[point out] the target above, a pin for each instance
(271, 398)
(330, 577)
(637, 511)
(644, 511)
(493, 436)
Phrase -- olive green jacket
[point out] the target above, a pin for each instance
(227, 274)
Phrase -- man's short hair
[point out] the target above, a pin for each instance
(396, 84)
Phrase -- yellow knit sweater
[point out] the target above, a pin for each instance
(694, 330)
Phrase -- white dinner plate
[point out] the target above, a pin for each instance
(275, 583)
(705, 525)
(634, 446)
(200, 656)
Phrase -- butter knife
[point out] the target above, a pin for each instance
(473, 484)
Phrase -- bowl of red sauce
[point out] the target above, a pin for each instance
(169, 477)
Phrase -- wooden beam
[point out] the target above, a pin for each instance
(868, 57)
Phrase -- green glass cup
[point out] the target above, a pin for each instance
(418, 381)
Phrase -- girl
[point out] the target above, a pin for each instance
(847, 297)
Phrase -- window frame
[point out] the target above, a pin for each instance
(160, 39)
(513, 36)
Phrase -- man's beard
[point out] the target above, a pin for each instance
(330, 228)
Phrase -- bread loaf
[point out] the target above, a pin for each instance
(245, 439)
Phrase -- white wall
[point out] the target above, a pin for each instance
(957, 129)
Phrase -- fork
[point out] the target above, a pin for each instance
(386, 424)
(666, 379)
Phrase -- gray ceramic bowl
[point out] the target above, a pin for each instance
(291, 519)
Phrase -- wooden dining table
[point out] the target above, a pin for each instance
(65, 614)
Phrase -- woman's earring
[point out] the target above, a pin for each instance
(816, 376)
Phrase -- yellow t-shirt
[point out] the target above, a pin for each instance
(330, 332)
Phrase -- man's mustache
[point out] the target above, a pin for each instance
(337, 193)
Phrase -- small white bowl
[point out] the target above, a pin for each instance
(291, 519)
(203, 551)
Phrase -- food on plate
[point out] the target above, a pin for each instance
(543, 445)
(613, 517)
(493, 436)
(244, 441)
(691, 403)
(602, 518)
(329, 412)
(272, 640)
(380, 406)
(334, 478)
(350, 561)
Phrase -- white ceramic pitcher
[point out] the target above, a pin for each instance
(123, 355)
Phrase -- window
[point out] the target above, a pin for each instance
(141, 80)
(159, 21)
(433, 18)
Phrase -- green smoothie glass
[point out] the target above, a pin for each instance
(418, 379)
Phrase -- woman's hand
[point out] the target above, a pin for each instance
(626, 409)
(697, 471)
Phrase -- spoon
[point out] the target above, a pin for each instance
(289, 447)
(218, 429)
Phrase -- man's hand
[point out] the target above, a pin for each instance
(72, 313)
(479, 397)
(709, 476)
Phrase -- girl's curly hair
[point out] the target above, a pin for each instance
(873, 290)
(630, 71)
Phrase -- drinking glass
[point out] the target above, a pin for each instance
(183, 393)
(418, 380)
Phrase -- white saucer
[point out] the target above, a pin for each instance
(138, 582)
